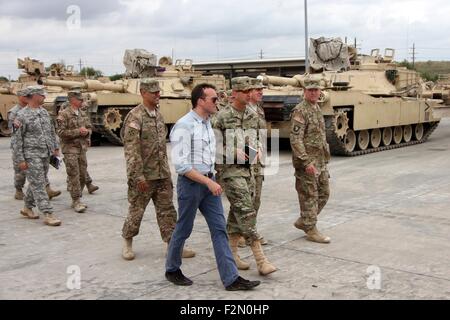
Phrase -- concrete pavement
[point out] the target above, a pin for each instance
(388, 217)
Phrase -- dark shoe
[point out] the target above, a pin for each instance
(178, 278)
(242, 284)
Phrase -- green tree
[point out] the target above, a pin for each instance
(407, 64)
(115, 77)
(3, 79)
(91, 72)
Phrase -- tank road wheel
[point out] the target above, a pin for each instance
(350, 140)
(386, 137)
(363, 139)
(418, 131)
(375, 138)
(398, 135)
(407, 133)
(340, 124)
(4, 130)
(112, 119)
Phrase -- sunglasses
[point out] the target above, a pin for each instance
(213, 99)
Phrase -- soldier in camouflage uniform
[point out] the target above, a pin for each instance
(74, 130)
(88, 180)
(238, 125)
(144, 137)
(255, 104)
(19, 175)
(35, 142)
(310, 153)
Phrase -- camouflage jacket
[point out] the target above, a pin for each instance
(262, 125)
(69, 124)
(12, 114)
(144, 138)
(36, 137)
(237, 129)
(308, 137)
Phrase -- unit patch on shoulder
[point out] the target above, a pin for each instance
(298, 117)
(134, 125)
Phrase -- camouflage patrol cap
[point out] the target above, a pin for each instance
(311, 83)
(22, 92)
(150, 85)
(241, 83)
(257, 83)
(75, 94)
(39, 90)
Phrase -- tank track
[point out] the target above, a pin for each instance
(99, 126)
(337, 146)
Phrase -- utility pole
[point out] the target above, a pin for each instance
(80, 64)
(261, 54)
(413, 55)
(306, 37)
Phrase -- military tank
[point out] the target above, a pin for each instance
(109, 102)
(369, 103)
(7, 100)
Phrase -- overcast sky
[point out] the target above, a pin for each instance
(212, 30)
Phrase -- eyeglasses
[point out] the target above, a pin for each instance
(213, 99)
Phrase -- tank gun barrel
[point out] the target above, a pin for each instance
(92, 85)
(5, 91)
(282, 81)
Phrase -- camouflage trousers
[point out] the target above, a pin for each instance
(161, 192)
(88, 177)
(37, 180)
(76, 168)
(19, 175)
(240, 192)
(258, 189)
(313, 193)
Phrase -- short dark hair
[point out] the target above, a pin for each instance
(198, 92)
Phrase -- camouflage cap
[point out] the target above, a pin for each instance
(22, 92)
(241, 83)
(257, 83)
(75, 94)
(150, 85)
(311, 83)
(39, 90)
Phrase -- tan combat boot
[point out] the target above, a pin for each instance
(263, 265)
(300, 225)
(78, 206)
(91, 188)
(52, 193)
(187, 252)
(262, 240)
(19, 194)
(315, 236)
(241, 242)
(234, 240)
(127, 251)
(27, 212)
(51, 220)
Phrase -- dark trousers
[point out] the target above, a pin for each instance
(193, 196)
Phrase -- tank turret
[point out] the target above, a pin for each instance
(369, 102)
(109, 102)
